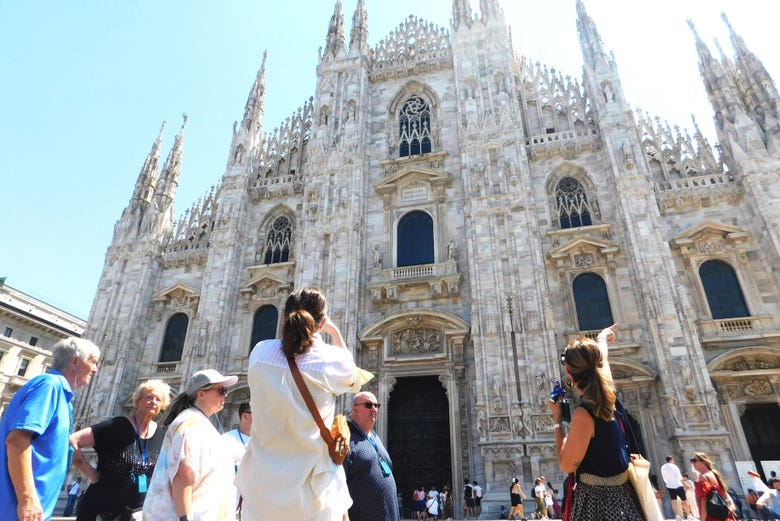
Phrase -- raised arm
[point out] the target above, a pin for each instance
(606, 336)
(330, 328)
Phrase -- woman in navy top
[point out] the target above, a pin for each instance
(595, 448)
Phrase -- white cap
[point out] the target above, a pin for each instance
(208, 377)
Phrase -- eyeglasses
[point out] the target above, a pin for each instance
(694, 460)
(222, 391)
(369, 405)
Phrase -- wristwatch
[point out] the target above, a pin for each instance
(185, 517)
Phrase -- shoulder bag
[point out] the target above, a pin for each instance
(337, 438)
(716, 504)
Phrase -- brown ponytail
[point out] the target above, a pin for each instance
(586, 366)
(304, 311)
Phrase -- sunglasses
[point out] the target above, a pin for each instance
(369, 405)
(563, 357)
(694, 460)
(222, 391)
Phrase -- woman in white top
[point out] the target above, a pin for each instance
(287, 472)
(193, 477)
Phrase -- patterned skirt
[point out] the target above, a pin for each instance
(605, 502)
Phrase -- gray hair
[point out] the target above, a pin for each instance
(69, 347)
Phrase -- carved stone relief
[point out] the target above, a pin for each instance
(417, 341)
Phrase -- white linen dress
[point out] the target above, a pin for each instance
(287, 472)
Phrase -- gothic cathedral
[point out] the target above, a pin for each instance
(468, 213)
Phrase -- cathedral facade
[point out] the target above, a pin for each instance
(468, 213)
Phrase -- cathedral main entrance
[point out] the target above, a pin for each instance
(419, 435)
(761, 425)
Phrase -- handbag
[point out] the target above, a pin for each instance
(570, 484)
(337, 438)
(639, 476)
(716, 505)
(638, 468)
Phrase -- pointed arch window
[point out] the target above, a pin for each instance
(415, 127)
(264, 325)
(277, 244)
(173, 341)
(592, 302)
(724, 294)
(572, 205)
(415, 239)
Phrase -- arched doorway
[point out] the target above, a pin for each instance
(419, 435)
(761, 425)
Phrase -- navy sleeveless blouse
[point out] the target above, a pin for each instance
(607, 453)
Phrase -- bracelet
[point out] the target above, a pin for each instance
(556, 426)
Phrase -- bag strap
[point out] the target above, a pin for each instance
(324, 432)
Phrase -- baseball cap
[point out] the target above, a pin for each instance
(208, 377)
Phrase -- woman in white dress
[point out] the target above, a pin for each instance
(192, 479)
(287, 472)
(690, 495)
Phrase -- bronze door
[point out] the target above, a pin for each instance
(419, 436)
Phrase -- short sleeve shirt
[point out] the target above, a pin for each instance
(43, 407)
(191, 439)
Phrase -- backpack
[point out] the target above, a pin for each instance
(467, 491)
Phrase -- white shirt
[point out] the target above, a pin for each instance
(672, 476)
(539, 490)
(287, 472)
(237, 443)
(193, 440)
(477, 491)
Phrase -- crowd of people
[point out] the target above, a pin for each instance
(276, 464)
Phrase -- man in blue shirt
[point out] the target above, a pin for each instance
(34, 459)
(368, 467)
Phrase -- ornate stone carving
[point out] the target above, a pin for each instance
(500, 424)
(415, 47)
(417, 341)
(760, 387)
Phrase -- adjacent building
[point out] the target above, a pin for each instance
(29, 328)
(468, 213)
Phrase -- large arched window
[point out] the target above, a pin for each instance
(415, 239)
(592, 302)
(415, 128)
(277, 244)
(572, 204)
(724, 294)
(173, 342)
(264, 325)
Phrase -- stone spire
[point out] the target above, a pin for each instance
(711, 72)
(590, 41)
(461, 13)
(255, 102)
(489, 9)
(169, 178)
(358, 38)
(761, 94)
(147, 179)
(335, 41)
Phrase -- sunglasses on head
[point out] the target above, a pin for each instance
(369, 405)
(222, 391)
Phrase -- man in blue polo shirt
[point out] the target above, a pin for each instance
(34, 457)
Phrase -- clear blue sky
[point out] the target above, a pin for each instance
(86, 85)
